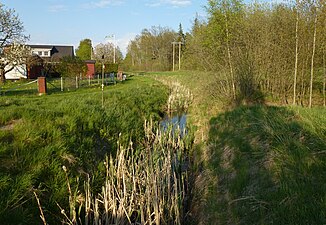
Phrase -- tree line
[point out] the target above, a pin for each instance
(152, 49)
(255, 49)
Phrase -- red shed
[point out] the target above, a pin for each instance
(90, 68)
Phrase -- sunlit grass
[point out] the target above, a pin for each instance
(39, 134)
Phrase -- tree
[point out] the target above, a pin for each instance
(71, 66)
(315, 15)
(84, 50)
(12, 49)
(296, 53)
(224, 21)
(152, 49)
(105, 53)
(181, 35)
(13, 55)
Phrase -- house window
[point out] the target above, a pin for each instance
(46, 53)
(39, 53)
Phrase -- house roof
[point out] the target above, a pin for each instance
(90, 61)
(57, 51)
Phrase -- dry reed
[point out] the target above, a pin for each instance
(144, 186)
(180, 97)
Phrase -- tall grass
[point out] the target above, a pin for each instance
(180, 97)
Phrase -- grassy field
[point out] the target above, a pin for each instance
(40, 134)
(255, 164)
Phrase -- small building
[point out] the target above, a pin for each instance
(52, 53)
(43, 60)
(90, 68)
(49, 55)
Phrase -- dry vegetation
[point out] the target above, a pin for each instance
(147, 186)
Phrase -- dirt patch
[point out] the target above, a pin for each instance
(10, 125)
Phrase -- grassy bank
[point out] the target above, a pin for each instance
(269, 164)
(40, 134)
(254, 164)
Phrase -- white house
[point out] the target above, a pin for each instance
(17, 73)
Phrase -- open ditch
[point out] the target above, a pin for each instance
(144, 186)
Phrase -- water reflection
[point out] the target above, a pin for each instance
(175, 122)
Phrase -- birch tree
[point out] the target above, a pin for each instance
(296, 52)
(315, 16)
(224, 21)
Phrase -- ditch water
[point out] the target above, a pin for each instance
(175, 122)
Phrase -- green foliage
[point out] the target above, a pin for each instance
(71, 67)
(84, 50)
(266, 34)
(109, 68)
(151, 50)
(39, 135)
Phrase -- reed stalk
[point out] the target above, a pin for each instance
(145, 186)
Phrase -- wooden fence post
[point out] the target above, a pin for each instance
(61, 81)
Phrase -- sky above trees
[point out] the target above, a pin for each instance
(68, 22)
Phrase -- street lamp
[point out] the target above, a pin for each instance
(112, 36)
(103, 67)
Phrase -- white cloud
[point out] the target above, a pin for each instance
(174, 3)
(57, 8)
(123, 42)
(103, 3)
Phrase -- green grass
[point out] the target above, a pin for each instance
(270, 166)
(40, 134)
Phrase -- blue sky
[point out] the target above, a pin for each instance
(66, 22)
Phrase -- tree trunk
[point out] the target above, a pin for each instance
(2, 76)
(324, 83)
(296, 55)
(313, 57)
(229, 56)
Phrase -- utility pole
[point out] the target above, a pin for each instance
(113, 48)
(180, 56)
(178, 43)
(103, 67)
(173, 43)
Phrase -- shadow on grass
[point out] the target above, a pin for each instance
(21, 92)
(269, 168)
